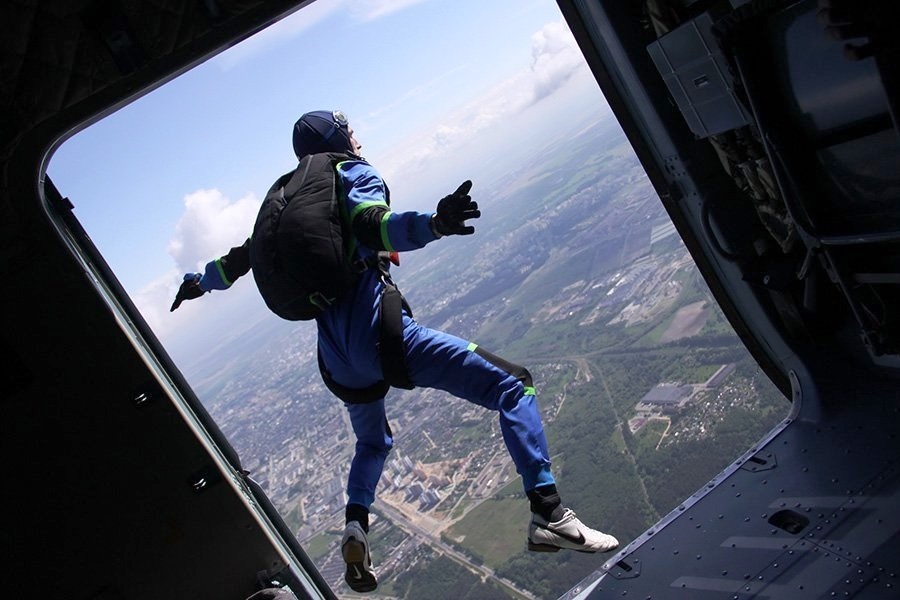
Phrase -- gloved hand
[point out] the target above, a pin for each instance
(190, 289)
(453, 210)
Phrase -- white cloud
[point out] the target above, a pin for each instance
(198, 323)
(155, 298)
(555, 58)
(210, 225)
(460, 126)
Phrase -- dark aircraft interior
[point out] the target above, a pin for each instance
(769, 131)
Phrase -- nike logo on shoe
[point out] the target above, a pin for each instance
(567, 533)
(575, 540)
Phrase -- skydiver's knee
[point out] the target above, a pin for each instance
(380, 449)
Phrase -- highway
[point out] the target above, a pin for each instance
(400, 520)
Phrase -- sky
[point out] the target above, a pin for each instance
(437, 91)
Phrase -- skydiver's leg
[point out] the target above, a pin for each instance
(350, 360)
(347, 351)
(373, 443)
(439, 360)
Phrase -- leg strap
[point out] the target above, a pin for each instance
(374, 392)
(391, 346)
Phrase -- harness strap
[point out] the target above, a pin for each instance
(393, 351)
(374, 392)
(390, 345)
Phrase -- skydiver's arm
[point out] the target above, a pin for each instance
(222, 272)
(374, 224)
(219, 274)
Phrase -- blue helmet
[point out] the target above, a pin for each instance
(322, 131)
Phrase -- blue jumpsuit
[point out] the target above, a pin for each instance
(348, 337)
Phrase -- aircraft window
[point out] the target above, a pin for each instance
(574, 271)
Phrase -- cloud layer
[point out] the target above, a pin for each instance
(210, 225)
(555, 60)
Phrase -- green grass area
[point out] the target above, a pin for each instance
(441, 577)
(716, 323)
(651, 338)
(666, 245)
(553, 381)
(320, 546)
(648, 437)
(619, 440)
(292, 517)
(703, 372)
(495, 530)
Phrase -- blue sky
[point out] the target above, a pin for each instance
(435, 90)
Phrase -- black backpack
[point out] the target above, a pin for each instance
(298, 251)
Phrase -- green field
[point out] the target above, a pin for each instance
(504, 516)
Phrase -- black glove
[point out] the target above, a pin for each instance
(190, 289)
(453, 210)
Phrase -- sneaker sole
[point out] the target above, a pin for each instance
(542, 547)
(354, 554)
(535, 547)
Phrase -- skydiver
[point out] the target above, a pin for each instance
(349, 342)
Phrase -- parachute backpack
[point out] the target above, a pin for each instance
(298, 250)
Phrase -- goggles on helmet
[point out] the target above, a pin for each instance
(338, 120)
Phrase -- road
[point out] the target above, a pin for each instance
(400, 520)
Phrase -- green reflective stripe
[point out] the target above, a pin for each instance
(472, 346)
(529, 391)
(222, 272)
(364, 205)
(385, 239)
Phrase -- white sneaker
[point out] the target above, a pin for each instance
(360, 575)
(569, 533)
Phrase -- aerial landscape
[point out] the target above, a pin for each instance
(577, 273)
